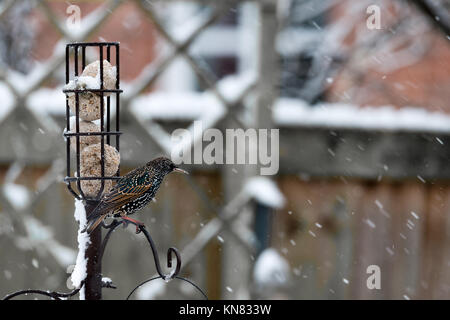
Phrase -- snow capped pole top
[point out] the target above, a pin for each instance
(265, 191)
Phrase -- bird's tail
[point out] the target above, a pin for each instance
(92, 224)
(94, 218)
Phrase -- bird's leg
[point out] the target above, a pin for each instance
(124, 222)
(133, 221)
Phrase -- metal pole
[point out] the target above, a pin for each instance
(93, 282)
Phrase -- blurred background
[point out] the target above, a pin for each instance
(358, 89)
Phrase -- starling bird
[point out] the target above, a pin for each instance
(132, 192)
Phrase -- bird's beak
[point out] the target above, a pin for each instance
(180, 170)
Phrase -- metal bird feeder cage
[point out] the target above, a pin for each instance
(105, 124)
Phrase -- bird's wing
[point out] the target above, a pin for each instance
(127, 189)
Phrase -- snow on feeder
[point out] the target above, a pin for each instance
(109, 74)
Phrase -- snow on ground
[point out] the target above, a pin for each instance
(265, 191)
(271, 269)
(79, 272)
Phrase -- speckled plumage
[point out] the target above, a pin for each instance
(132, 192)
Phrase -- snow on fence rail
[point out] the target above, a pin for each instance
(287, 112)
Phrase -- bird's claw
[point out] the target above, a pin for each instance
(137, 224)
(138, 229)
